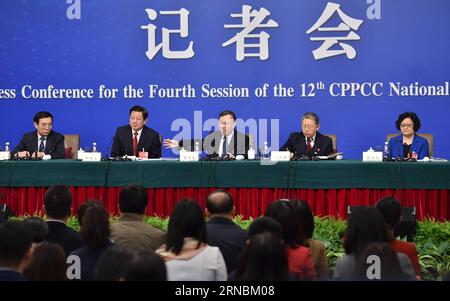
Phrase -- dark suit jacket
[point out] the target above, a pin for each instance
(11, 275)
(54, 145)
(239, 144)
(229, 237)
(64, 236)
(296, 144)
(150, 141)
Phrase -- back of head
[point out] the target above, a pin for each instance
(263, 259)
(219, 202)
(282, 212)
(187, 220)
(305, 216)
(94, 224)
(48, 263)
(58, 202)
(381, 254)
(133, 199)
(15, 241)
(37, 228)
(365, 225)
(147, 267)
(391, 210)
(265, 224)
(112, 264)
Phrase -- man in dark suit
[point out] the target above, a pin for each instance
(222, 231)
(309, 143)
(226, 142)
(58, 202)
(42, 143)
(136, 137)
(15, 250)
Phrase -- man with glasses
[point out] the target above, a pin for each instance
(43, 143)
(226, 143)
(308, 143)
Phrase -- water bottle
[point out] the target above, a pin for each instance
(94, 147)
(197, 146)
(7, 147)
(251, 153)
(386, 152)
(265, 152)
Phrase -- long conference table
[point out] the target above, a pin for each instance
(328, 186)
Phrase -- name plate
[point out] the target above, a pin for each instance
(91, 157)
(5, 156)
(189, 156)
(280, 156)
(373, 156)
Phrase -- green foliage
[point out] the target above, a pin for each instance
(330, 231)
(157, 222)
(433, 245)
(241, 222)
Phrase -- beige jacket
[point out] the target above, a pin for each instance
(133, 233)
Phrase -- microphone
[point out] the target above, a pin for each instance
(106, 156)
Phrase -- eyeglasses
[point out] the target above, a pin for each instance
(229, 123)
(406, 125)
(306, 126)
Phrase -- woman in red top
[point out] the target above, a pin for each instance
(391, 211)
(299, 258)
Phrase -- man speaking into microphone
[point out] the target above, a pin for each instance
(225, 143)
(136, 137)
(309, 142)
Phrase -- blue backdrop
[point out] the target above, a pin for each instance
(40, 45)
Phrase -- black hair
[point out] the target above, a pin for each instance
(48, 263)
(147, 267)
(264, 258)
(133, 199)
(282, 212)
(390, 268)
(58, 202)
(41, 115)
(94, 224)
(265, 224)
(113, 263)
(391, 210)
(219, 201)
(37, 227)
(187, 220)
(305, 216)
(143, 110)
(365, 225)
(228, 112)
(15, 241)
(415, 119)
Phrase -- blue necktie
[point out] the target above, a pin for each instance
(224, 146)
(41, 145)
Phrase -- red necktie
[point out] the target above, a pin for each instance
(135, 142)
(308, 144)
